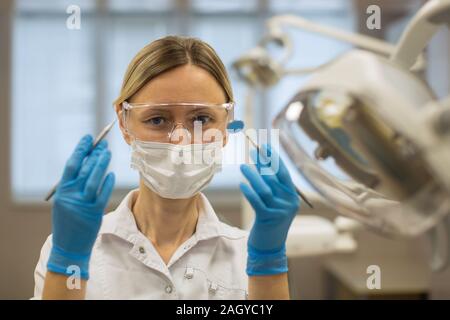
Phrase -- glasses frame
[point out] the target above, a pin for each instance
(129, 106)
(228, 106)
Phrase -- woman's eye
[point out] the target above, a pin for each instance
(202, 119)
(156, 121)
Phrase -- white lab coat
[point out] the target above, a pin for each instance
(125, 265)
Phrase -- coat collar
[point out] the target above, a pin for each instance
(121, 222)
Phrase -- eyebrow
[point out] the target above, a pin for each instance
(159, 109)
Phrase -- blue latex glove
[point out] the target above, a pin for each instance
(276, 202)
(79, 204)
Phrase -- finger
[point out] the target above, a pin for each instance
(261, 157)
(102, 144)
(252, 197)
(279, 189)
(75, 161)
(95, 178)
(285, 200)
(91, 161)
(263, 166)
(268, 176)
(257, 183)
(279, 168)
(285, 203)
(259, 206)
(106, 189)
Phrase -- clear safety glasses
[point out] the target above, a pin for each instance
(175, 122)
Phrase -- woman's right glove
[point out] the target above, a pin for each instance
(79, 204)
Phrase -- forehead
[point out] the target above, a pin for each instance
(187, 83)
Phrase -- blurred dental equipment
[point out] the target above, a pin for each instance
(312, 235)
(99, 138)
(370, 113)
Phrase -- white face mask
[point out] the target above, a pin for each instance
(176, 171)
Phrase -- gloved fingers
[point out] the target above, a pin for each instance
(264, 170)
(288, 206)
(262, 163)
(106, 189)
(258, 184)
(75, 161)
(282, 172)
(270, 177)
(252, 197)
(262, 159)
(96, 176)
(91, 160)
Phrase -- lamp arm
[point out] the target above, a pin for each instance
(275, 23)
(420, 30)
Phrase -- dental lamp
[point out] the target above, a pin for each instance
(370, 112)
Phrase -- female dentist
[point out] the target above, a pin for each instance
(164, 241)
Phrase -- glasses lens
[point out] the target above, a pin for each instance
(164, 123)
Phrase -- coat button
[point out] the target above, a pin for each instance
(169, 288)
(142, 250)
(189, 274)
(212, 288)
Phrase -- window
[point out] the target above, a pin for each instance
(64, 81)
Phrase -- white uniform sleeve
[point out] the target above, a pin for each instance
(41, 269)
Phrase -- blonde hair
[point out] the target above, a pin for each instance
(169, 52)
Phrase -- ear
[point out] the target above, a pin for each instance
(120, 116)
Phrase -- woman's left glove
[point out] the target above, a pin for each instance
(273, 196)
(79, 205)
